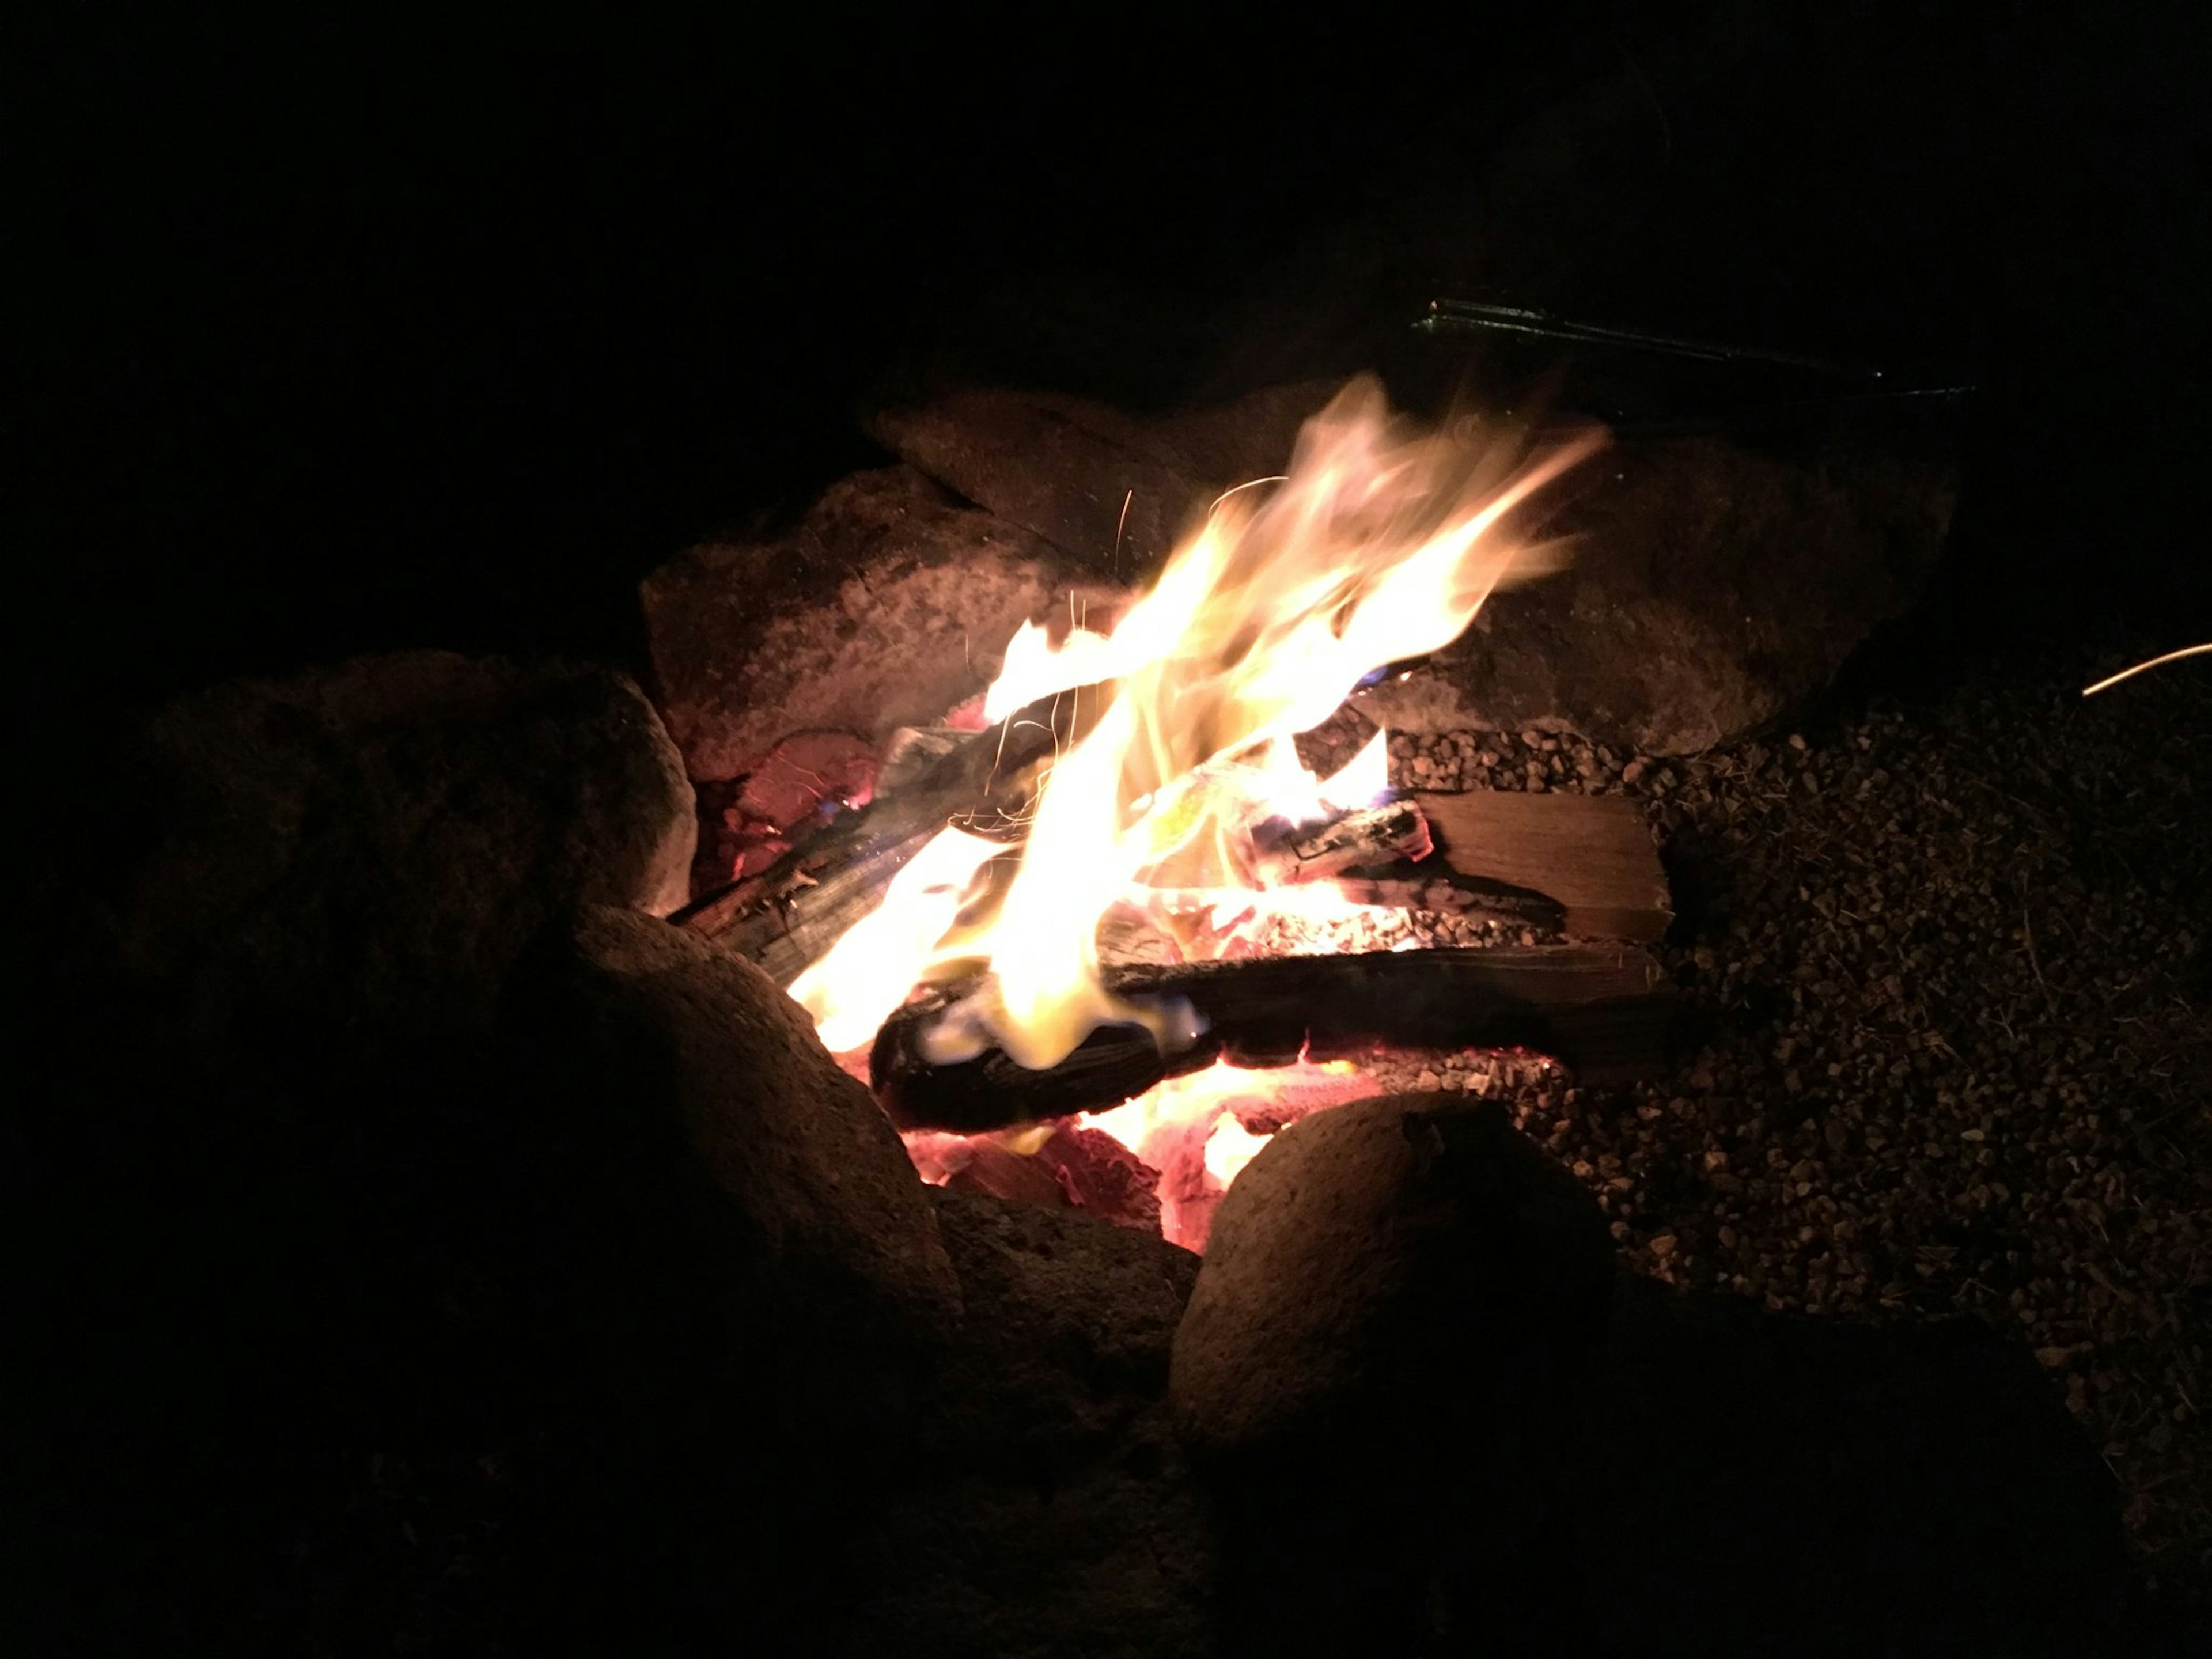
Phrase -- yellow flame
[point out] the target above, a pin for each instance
(1363, 780)
(1230, 1148)
(868, 973)
(1379, 545)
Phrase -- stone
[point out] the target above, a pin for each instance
(1406, 1246)
(809, 775)
(888, 605)
(747, 1282)
(1054, 1512)
(1112, 490)
(810, 1192)
(1709, 589)
(1068, 1325)
(370, 847)
(1710, 583)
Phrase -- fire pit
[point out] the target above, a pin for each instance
(1238, 1003)
(1098, 938)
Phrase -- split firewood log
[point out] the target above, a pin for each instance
(789, 914)
(1602, 1010)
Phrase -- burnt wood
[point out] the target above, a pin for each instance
(1590, 854)
(789, 914)
(1602, 1010)
(1372, 836)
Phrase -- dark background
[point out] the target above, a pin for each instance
(348, 333)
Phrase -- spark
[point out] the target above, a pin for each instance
(1249, 483)
(2142, 667)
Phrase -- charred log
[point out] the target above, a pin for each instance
(791, 913)
(1581, 866)
(1601, 1010)
(1373, 836)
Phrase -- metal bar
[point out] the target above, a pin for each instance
(1446, 317)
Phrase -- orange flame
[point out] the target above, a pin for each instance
(859, 983)
(1379, 546)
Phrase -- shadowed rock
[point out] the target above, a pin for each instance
(747, 1280)
(1709, 588)
(888, 605)
(1051, 1512)
(807, 1185)
(1111, 490)
(1679, 1475)
(372, 846)
(1367, 1252)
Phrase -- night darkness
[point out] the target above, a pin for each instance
(345, 336)
(351, 336)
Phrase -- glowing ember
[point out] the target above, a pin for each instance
(1193, 1130)
(1196, 1132)
(1378, 546)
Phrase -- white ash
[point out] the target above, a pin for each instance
(1375, 929)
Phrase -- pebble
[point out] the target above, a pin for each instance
(1903, 1111)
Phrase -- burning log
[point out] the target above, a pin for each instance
(1579, 866)
(1603, 1010)
(1373, 836)
(1591, 854)
(794, 911)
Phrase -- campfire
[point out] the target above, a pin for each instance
(1096, 937)
(1150, 952)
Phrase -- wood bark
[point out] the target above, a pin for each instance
(1577, 866)
(1590, 854)
(1602, 1010)
(790, 913)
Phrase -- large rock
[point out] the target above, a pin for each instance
(1111, 490)
(1393, 1248)
(893, 599)
(1404, 1480)
(1709, 588)
(1711, 585)
(1053, 1514)
(1069, 1323)
(369, 848)
(889, 605)
(815, 1199)
(745, 1284)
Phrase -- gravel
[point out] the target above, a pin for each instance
(1948, 1011)
(1531, 761)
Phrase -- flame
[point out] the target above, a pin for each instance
(1194, 1129)
(868, 973)
(1363, 780)
(1380, 544)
